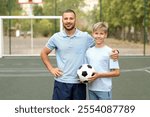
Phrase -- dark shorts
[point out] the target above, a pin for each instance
(67, 91)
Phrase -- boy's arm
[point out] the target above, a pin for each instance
(112, 73)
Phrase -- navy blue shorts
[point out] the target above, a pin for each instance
(67, 91)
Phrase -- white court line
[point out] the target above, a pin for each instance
(25, 75)
(23, 70)
(135, 55)
(147, 71)
(33, 72)
(139, 69)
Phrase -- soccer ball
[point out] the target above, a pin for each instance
(84, 72)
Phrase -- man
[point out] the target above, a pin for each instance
(70, 45)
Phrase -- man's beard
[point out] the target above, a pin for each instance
(68, 29)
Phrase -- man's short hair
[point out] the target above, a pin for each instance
(69, 11)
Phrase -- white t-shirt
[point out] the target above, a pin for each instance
(100, 59)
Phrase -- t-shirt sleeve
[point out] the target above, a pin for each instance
(113, 64)
(51, 43)
(91, 42)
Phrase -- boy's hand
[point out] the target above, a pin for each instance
(94, 77)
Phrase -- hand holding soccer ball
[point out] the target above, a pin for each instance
(84, 72)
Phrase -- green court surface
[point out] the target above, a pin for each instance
(26, 78)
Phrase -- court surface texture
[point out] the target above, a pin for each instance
(26, 78)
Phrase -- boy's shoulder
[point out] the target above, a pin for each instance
(108, 47)
(91, 49)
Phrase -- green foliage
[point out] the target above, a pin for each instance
(42, 27)
(9, 7)
(38, 10)
(49, 7)
(69, 4)
(125, 17)
(122, 15)
(3, 7)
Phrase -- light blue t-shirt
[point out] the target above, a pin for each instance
(100, 59)
(70, 53)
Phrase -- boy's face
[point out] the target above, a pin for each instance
(99, 36)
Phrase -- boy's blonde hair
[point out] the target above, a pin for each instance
(100, 26)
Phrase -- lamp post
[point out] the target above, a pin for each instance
(145, 27)
(9, 9)
(100, 5)
(55, 13)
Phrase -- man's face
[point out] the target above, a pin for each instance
(69, 20)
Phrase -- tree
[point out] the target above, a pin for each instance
(3, 7)
(125, 17)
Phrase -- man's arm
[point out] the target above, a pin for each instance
(44, 56)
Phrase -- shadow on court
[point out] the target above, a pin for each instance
(26, 78)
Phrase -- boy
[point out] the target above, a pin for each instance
(100, 85)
